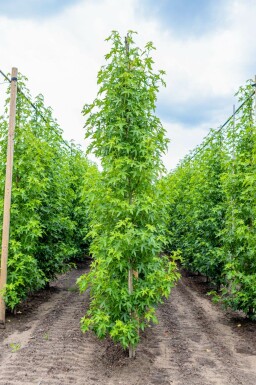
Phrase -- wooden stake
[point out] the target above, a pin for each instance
(255, 100)
(8, 191)
(130, 289)
(132, 273)
(233, 168)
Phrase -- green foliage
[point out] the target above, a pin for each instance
(48, 212)
(15, 347)
(128, 216)
(239, 186)
(212, 207)
(196, 205)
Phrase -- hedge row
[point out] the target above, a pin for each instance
(48, 212)
(212, 195)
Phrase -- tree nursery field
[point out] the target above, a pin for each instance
(127, 275)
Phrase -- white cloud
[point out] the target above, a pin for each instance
(182, 142)
(62, 54)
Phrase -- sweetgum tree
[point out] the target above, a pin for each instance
(128, 277)
(239, 186)
(212, 205)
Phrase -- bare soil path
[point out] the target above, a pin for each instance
(195, 343)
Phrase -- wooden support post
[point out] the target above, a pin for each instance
(132, 273)
(130, 289)
(255, 100)
(8, 191)
(233, 170)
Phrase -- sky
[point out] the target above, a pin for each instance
(206, 47)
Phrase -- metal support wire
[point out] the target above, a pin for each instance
(210, 135)
(35, 108)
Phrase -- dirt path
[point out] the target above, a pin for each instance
(195, 343)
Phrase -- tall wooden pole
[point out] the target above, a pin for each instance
(255, 99)
(8, 191)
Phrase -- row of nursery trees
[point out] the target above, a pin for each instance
(212, 205)
(55, 190)
(48, 211)
(205, 208)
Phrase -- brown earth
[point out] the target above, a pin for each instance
(195, 343)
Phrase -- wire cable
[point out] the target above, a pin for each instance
(211, 134)
(36, 109)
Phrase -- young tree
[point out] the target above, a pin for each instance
(128, 277)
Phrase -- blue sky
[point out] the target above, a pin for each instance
(184, 17)
(206, 47)
(30, 9)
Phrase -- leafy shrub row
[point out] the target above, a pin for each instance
(212, 203)
(48, 211)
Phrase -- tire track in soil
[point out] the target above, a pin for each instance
(55, 351)
(201, 348)
(191, 345)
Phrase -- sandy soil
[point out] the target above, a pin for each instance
(195, 343)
